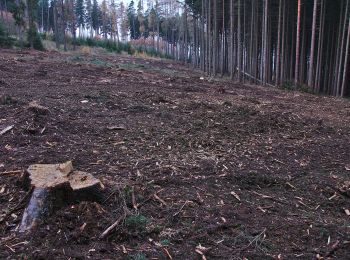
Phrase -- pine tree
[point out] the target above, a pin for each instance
(113, 21)
(105, 24)
(88, 17)
(124, 21)
(141, 19)
(95, 16)
(80, 15)
(133, 21)
(33, 37)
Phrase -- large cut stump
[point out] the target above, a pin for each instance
(50, 181)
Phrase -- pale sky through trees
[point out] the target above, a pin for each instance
(126, 2)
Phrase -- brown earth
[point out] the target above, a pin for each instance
(199, 167)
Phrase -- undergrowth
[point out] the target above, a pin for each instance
(5, 40)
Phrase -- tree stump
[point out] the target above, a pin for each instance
(50, 181)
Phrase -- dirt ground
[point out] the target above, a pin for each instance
(201, 168)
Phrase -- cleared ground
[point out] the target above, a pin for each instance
(200, 166)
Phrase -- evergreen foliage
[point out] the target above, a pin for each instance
(5, 40)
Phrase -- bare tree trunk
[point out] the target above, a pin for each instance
(282, 65)
(223, 40)
(278, 54)
(232, 46)
(320, 47)
(202, 45)
(239, 43)
(56, 26)
(312, 48)
(346, 62)
(339, 74)
(297, 49)
(265, 51)
(215, 40)
(209, 39)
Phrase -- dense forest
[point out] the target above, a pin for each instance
(296, 43)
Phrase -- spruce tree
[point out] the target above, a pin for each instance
(95, 16)
(133, 21)
(88, 16)
(80, 15)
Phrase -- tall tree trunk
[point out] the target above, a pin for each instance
(232, 38)
(320, 47)
(265, 51)
(278, 54)
(312, 48)
(215, 39)
(346, 62)
(297, 49)
(342, 40)
(202, 45)
(239, 43)
(223, 39)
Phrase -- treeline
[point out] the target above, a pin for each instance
(300, 43)
(107, 19)
(295, 43)
(22, 15)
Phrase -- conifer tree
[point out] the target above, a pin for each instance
(95, 17)
(80, 15)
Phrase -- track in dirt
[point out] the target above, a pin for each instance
(201, 166)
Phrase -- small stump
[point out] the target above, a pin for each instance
(48, 182)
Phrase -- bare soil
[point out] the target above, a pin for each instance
(200, 167)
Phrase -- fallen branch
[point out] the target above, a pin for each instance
(160, 200)
(268, 197)
(112, 227)
(134, 204)
(186, 202)
(6, 129)
(11, 172)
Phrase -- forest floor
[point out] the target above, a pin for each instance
(205, 168)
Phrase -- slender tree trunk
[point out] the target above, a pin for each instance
(56, 26)
(278, 54)
(297, 49)
(339, 74)
(320, 49)
(232, 38)
(223, 39)
(202, 45)
(209, 39)
(265, 51)
(239, 43)
(346, 62)
(312, 48)
(215, 40)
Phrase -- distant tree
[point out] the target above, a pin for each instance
(43, 15)
(80, 15)
(88, 17)
(18, 13)
(72, 21)
(114, 20)
(105, 24)
(141, 19)
(32, 34)
(133, 21)
(152, 23)
(124, 22)
(95, 16)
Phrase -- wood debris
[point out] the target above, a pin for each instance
(234, 194)
(6, 129)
